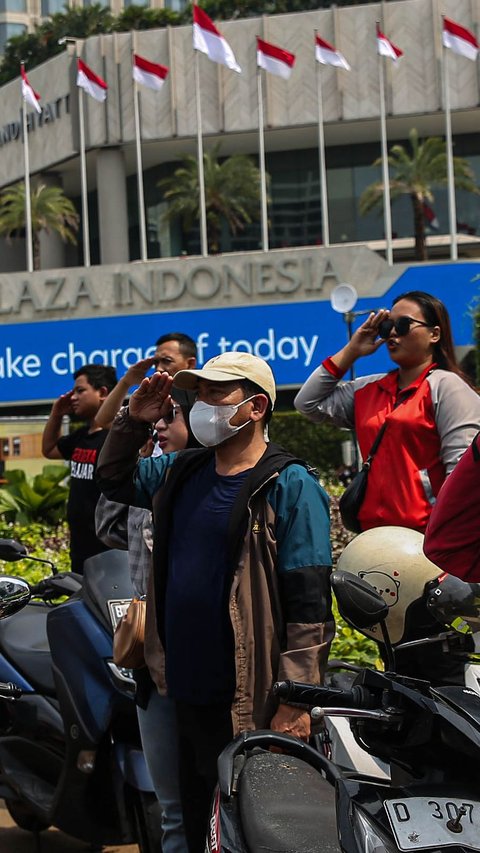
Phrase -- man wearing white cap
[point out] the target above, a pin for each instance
(241, 563)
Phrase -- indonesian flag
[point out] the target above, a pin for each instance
(459, 39)
(387, 48)
(430, 216)
(326, 54)
(149, 74)
(90, 83)
(28, 92)
(207, 39)
(274, 59)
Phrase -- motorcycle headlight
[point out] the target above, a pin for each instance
(368, 837)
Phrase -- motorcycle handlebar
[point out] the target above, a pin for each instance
(312, 694)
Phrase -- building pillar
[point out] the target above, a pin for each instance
(112, 206)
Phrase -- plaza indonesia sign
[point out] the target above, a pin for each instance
(37, 359)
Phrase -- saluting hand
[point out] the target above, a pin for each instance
(152, 398)
(365, 340)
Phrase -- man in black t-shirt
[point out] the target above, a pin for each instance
(93, 383)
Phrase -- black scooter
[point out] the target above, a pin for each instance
(430, 738)
(70, 753)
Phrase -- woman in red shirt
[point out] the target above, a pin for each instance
(432, 413)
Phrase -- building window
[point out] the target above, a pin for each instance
(50, 7)
(175, 5)
(13, 6)
(5, 447)
(17, 446)
(9, 30)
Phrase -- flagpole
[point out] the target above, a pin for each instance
(452, 211)
(141, 196)
(28, 200)
(261, 155)
(201, 172)
(83, 178)
(387, 213)
(323, 169)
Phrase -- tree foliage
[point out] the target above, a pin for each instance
(415, 171)
(232, 193)
(51, 211)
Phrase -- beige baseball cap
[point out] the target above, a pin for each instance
(228, 367)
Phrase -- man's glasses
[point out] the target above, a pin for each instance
(401, 325)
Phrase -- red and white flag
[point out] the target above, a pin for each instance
(430, 216)
(90, 82)
(149, 74)
(274, 59)
(28, 92)
(459, 39)
(207, 39)
(326, 54)
(387, 48)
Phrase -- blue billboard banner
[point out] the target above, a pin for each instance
(37, 360)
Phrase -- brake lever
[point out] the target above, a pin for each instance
(318, 714)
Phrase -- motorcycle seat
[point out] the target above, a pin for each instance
(285, 805)
(24, 642)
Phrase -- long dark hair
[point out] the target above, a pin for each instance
(435, 314)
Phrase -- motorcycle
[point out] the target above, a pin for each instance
(70, 753)
(429, 737)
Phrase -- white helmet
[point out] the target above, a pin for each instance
(391, 559)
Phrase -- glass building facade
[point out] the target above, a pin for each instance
(295, 214)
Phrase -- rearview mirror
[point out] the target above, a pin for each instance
(14, 595)
(11, 550)
(358, 602)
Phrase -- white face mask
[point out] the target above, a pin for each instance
(211, 424)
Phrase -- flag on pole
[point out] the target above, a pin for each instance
(274, 59)
(326, 54)
(149, 74)
(430, 216)
(459, 39)
(207, 39)
(90, 82)
(28, 92)
(387, 48)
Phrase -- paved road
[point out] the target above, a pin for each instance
(14, 840)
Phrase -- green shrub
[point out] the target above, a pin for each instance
(44, 498)
(49, 542)
(318, 444)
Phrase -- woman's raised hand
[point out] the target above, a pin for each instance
(152, 398)
(365, 340)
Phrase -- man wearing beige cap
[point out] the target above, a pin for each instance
(241, 563)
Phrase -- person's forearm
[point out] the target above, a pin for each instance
(118, 458)
(112, 404)
(51, 434)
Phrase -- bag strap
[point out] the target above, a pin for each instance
(374, 447)
(366, 465)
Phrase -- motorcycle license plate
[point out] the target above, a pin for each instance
(116, 609)
(424, 822)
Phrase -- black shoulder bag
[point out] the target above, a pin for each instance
(352, 498)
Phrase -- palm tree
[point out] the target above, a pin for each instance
(414, 172)
(232, 194)
(51, 211)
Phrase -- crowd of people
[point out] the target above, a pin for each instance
(228, 534)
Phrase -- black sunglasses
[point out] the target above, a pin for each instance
(401, 326)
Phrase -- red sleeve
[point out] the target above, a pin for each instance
(452, 538)
(332, 368)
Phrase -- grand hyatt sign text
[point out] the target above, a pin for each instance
(139, 287)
